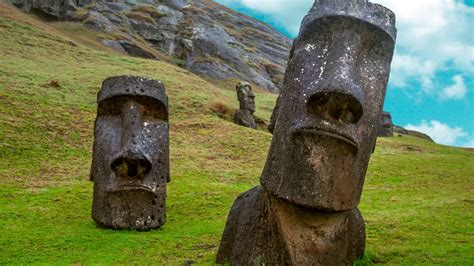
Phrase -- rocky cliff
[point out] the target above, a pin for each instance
(203, 36)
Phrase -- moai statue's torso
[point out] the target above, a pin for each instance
(130, 166)
(244, 115)
(324, 129)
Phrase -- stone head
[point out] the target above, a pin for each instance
(130, 165)
(245, 96)
(329, 109)
(386, 125)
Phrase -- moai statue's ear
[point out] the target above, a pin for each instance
(274, 117)
(276, 109)
(292, 50)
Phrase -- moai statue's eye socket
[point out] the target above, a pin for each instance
(157, 112)
(153, 110)
(110, 107)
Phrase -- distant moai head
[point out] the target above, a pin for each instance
(330, 106)
(386, 125)
(130, 165)
(245, 96)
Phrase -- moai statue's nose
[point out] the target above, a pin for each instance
(335, 105)
(132, 161)
(338, 95)
(131, 164)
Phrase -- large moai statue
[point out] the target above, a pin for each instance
(244, 115)
(324, 129)
(130, 165)
(385, 125)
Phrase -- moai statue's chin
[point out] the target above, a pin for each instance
(324, 129)
(130, 165)
(244, 115)
(385, 125)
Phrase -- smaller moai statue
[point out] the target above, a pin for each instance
(130, 164)
(386, 125)
(244, 116)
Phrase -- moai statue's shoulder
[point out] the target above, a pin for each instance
(249, 237)
(262, 229)
(245, 118)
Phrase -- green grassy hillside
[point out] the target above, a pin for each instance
(418, 198)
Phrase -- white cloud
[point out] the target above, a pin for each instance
(456, 91)
(441, 133)
(287, 13)
(407, 67)
(433, 35)
(435, 44)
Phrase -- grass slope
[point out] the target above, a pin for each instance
(417, 202)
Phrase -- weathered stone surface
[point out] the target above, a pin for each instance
(149, 32)
(385, 125)
(324, 129)
(113, 44)
(274, 117)
(330, 106)
(48, 9)
(400, 130)
(244, 116)
(130, 165)
(264, 230)
(176, 4)
(133, 49)
(99, 22)
(209, 38)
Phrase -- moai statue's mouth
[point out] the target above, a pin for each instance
(316, 133)
(132, 188)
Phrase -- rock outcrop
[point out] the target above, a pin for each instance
(205, 37)
(402, 131)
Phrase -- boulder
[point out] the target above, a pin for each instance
(135, 50)
(176, 4)
(98, 22)
(113, 44)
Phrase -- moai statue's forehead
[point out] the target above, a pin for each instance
(375, 14)
(242, 84)
(127, 86)
(244, 89)
(326, 120)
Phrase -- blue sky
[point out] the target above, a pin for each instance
(431, 83)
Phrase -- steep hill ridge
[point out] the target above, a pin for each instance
(203, 36)
(48, 88)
